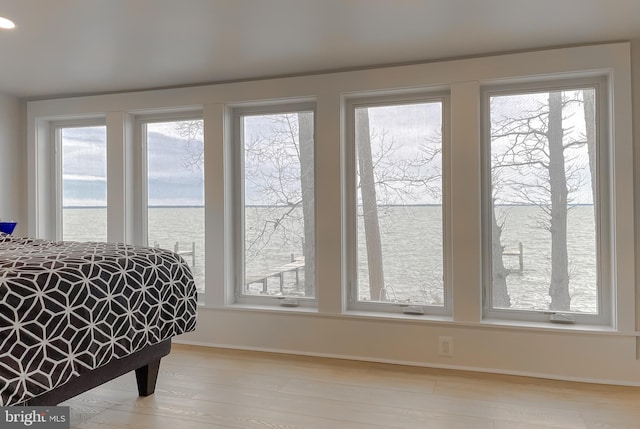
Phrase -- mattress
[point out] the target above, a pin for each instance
(69, 307)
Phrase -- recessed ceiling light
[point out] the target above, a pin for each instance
(6, 23)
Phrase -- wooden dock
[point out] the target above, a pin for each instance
(183, 253)
(519, 254)
(295, 265)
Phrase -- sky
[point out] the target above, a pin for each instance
(173, 182)
(170, 182)
(508, 181)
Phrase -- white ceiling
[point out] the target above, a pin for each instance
(65, 47)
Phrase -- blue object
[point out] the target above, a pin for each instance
(7, 227)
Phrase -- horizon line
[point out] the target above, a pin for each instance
(159, 206)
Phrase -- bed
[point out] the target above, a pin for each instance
(75, 315)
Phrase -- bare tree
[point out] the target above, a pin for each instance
(543, 173)
(500, 291)
(589, 104)
(558, 194)
(306, 139)
(388, 176)
(369, 205)
(279, 167)
(284, 182)
(192, 131)
(286, 150)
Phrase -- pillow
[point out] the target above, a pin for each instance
(7, 227)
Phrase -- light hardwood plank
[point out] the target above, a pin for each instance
(202, 387)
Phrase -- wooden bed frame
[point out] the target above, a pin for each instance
(145, 362)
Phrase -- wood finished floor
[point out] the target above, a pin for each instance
(212, 388)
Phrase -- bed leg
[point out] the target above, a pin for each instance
(146, 377)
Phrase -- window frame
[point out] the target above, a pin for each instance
(141, 175)
(350, 193)
(236, 286)
(56, 128)
(603, 206)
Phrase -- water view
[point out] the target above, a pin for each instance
(173, 228)
(413, 271)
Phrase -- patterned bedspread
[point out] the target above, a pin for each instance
(68, 307)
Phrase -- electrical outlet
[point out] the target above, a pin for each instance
(445, 346)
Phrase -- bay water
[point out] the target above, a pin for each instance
(411, 245)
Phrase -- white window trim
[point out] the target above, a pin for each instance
(141, 199)
(350, 197)
(236, 286)
(141, 184)
(605, 176)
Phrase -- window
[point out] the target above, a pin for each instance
(396, 206)
(175, 189)
(82, 161)
(275, 178)
(545, 213)
(419, 189)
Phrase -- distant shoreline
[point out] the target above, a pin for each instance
(152, 207)
(284, 206)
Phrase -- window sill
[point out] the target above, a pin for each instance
(402, 317)
(488, 323)
(443, 320)
(549, 326)
(264, 308)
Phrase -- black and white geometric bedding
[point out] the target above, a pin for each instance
(67, 308)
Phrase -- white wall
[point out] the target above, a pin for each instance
(573, 352)
(13, 165)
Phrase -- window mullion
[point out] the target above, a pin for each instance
(466, 245)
